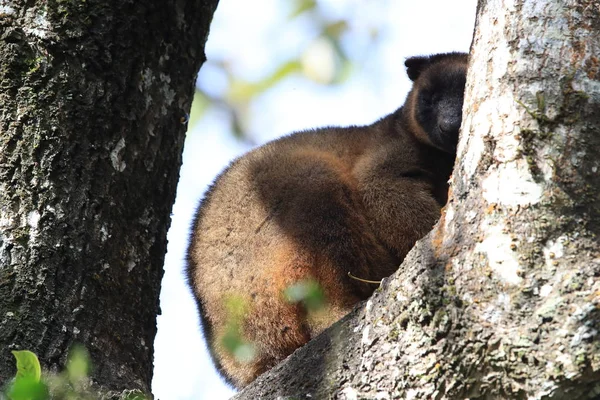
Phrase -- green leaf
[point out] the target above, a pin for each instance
(28, 365)
(335, 29)
(27, 388)
(283, 71)
(242, 91)
(301, 6)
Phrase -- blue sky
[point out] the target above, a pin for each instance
(254, 37)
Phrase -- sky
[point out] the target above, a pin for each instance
(254, 37)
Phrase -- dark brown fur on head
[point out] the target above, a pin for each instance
(318, 205)
(434, 105)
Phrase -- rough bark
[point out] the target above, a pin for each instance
(502, 299)
(94, 97)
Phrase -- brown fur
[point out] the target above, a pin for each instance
(314, 205)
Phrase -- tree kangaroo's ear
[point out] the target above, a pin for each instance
(416, 65)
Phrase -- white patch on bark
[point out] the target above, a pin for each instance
(145, 84)
(38, 24)
(497, 248)
(6, 220)
(116, 158)
(368, 306)
(511, 184)
(146, 81)
(493, 312)
(506, 145)
(365, 336)
(545, 290)
(554, 249)
(57, 211)
(544, 160)
(104, 233)
(350, 393)
(401, 298)
(168, 93)
(449, 216)
(33, 218)
(130, 266)
(6, 11)
(411, 394)
(474, 151)
(471, 215)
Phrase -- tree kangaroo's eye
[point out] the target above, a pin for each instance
(427, 100)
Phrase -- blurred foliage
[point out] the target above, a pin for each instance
(300, 6)
(308, 292)
(323, 61)
(72, 384)
(233, 339)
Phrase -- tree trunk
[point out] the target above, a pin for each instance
(502, 299)
(94, 97)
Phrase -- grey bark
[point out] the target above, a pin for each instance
(502, 299)
(94, 97)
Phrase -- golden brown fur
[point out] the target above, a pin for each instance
(320, 204)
